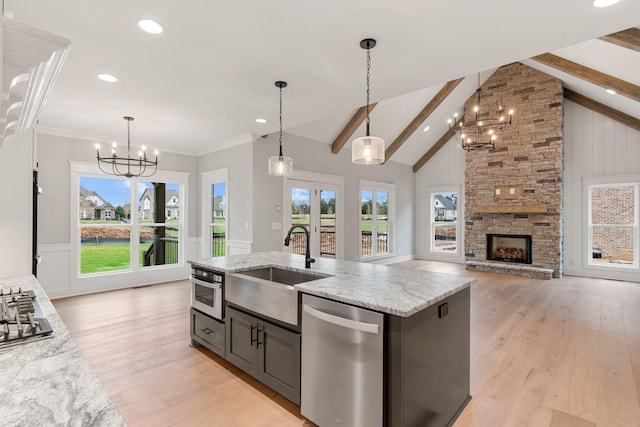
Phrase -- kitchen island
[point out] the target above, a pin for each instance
(48, 382)
(425, 367)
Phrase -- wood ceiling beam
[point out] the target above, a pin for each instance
(421, 117)
(351, 127)
(629, 38)
(593, 76)
(434, 149)
(607, 111)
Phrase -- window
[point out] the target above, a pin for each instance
(105, 245)
(159, 230)
(218, 224)
(443, 235)
(113, 237)
(214, 212)
(613, 224)
(376, 219)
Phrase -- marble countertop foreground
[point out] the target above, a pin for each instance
(48, 382)
(378, 287)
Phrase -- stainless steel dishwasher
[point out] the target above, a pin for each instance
(342, 364)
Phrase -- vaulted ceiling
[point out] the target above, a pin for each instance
(201, 84)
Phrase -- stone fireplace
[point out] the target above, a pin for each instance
(516, 188)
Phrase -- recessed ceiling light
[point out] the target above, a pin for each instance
(261, 120)
(107, 77)
(604, 3)
(611, 91)
(426, 128)
(150, 26)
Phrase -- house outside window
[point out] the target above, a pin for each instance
(612, 224)
(444, 231)
(377, 207)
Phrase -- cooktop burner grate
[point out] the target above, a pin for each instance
(22, 318)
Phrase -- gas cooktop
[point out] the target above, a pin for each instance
(22, 318)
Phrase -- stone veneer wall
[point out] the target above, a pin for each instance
(528, 155)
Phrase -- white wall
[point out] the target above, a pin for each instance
(445, 169)
(16, 169)
(55, 240)
(238, 161)
(594, 146)
(313, 156)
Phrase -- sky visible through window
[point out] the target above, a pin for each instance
(116, 191)
(302, 195)
(367, 195)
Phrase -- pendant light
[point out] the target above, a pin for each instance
(367, 150)
(280, 165)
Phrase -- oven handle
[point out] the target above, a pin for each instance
(216, 286)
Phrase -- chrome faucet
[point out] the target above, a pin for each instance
(307, 253)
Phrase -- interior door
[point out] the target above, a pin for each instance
(314, 206)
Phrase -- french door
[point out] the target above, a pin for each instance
(317, 207)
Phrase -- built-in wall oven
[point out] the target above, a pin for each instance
(206, 292)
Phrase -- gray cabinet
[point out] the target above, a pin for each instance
(265, 351)
(208, 332)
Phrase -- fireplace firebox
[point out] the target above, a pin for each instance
(509, 248)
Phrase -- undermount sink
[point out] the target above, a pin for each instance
(268, 291)
(283, 276)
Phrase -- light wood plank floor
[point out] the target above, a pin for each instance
(562, 352)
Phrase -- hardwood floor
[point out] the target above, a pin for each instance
(562, 352)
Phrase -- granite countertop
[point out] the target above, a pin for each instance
(378, 287)
(48, 382)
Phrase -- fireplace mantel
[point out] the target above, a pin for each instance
(509, 209)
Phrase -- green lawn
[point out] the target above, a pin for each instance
(383, 226)
(111, 257)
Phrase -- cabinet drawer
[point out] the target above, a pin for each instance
(208, 332)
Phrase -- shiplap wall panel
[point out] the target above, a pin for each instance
(444, 169)
(595, 146)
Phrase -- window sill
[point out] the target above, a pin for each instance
(371, 258)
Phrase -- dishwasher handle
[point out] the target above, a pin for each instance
(341, 321)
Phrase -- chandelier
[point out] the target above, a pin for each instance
(280, 165)
(481, 131)
(127, 166)
(367, 150)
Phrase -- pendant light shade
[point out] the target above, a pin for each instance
(367, 150)
(280, 165)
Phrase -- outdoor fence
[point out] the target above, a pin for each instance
(367, 243)
(219, 245)
(170, 245)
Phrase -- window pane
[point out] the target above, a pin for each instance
(219, 202)
(158, 246)
(104, 249)
(218, 240)
(149, 211)
(382, 220)
(613, 204)
(612, 245)
(613, 228)
(444, 222)
(327, 222)
(366, 220)
(300, 214)
(102, 200)
(217, 226)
